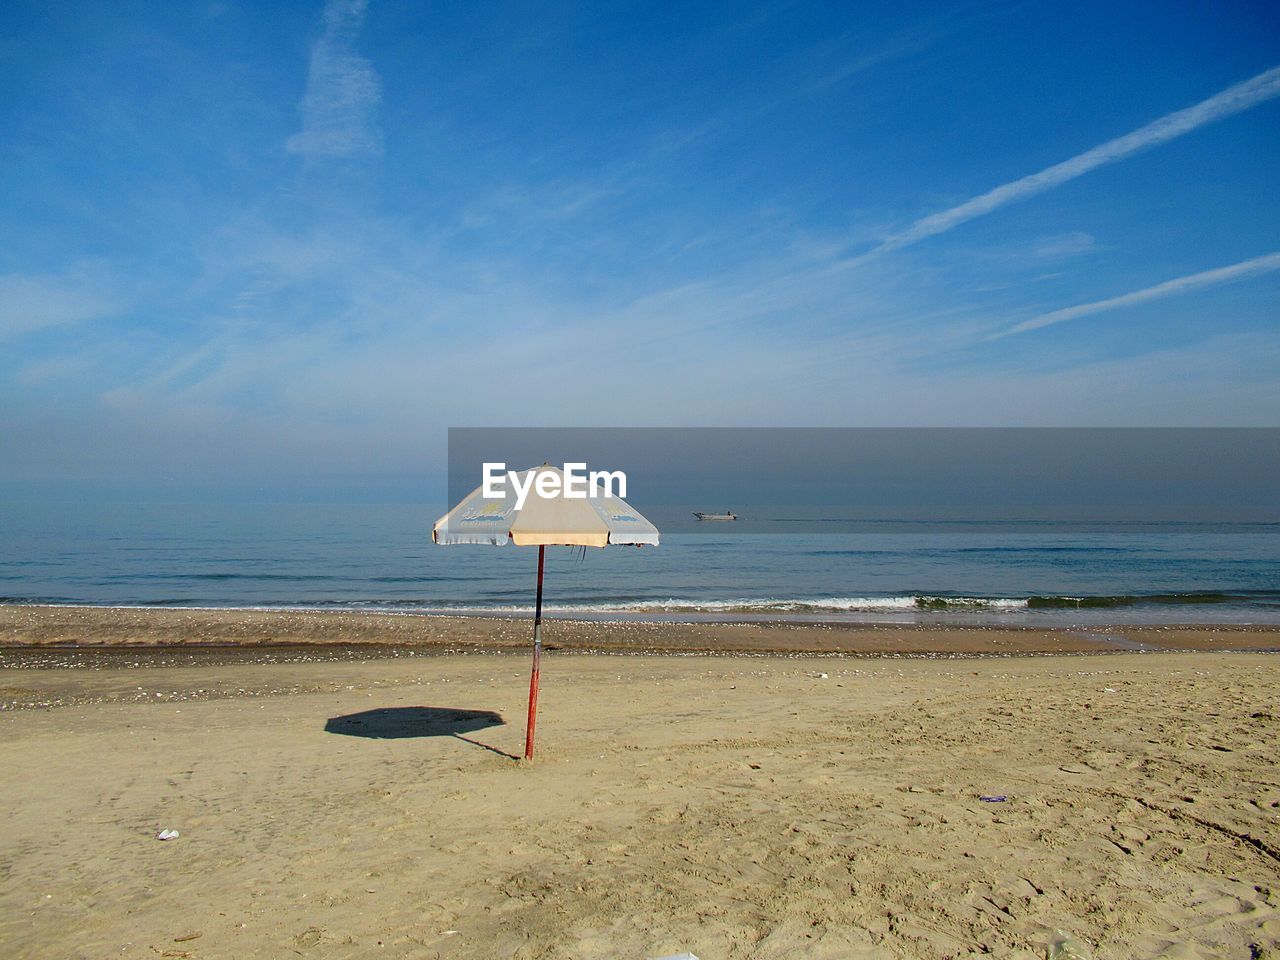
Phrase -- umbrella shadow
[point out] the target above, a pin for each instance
(396, 723)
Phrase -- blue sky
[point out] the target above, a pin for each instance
(255, 243)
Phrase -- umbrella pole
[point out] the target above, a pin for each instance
(537, 659)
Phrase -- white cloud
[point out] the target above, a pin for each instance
(1170, 288)
(34, 302)
(343, 90)
(1063, 245)
(1230, 101)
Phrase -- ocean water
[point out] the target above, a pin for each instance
(381, 557)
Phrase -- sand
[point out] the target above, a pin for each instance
(334, 802)
(144, 627)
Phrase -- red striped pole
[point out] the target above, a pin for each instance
(537, 660)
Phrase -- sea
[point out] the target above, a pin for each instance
(883, 569)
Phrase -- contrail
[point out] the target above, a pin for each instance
(1170, 288)
(1230, 101)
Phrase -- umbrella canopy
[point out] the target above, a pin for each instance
(542, 521)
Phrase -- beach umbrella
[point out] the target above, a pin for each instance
(548, 517)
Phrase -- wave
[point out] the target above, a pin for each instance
(1133, 600)
(902, 603)
(891, 604)
(896, 603)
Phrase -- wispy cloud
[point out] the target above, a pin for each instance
(1232, 100)
(898, 47)
(82, 292)
(1063, 245)
(343, 90)
(1170, 288)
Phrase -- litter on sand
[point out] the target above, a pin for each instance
(1063, 946)
(993, 798)
(678, 956)
(167, 835)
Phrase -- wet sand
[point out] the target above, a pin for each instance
(344, 800)
(149, 627)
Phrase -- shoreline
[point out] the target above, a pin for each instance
(49, 627)
(968, 612)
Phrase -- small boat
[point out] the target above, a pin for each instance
(728, 515)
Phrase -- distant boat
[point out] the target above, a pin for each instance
(730, 515)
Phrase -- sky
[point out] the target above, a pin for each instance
(291, 244)
(1202, 474)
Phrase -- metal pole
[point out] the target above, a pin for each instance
(537, 660)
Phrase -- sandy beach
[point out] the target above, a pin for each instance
(874, 404)
(51, 626)
(345, 801)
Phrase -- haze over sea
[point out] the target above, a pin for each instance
(879, 569)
